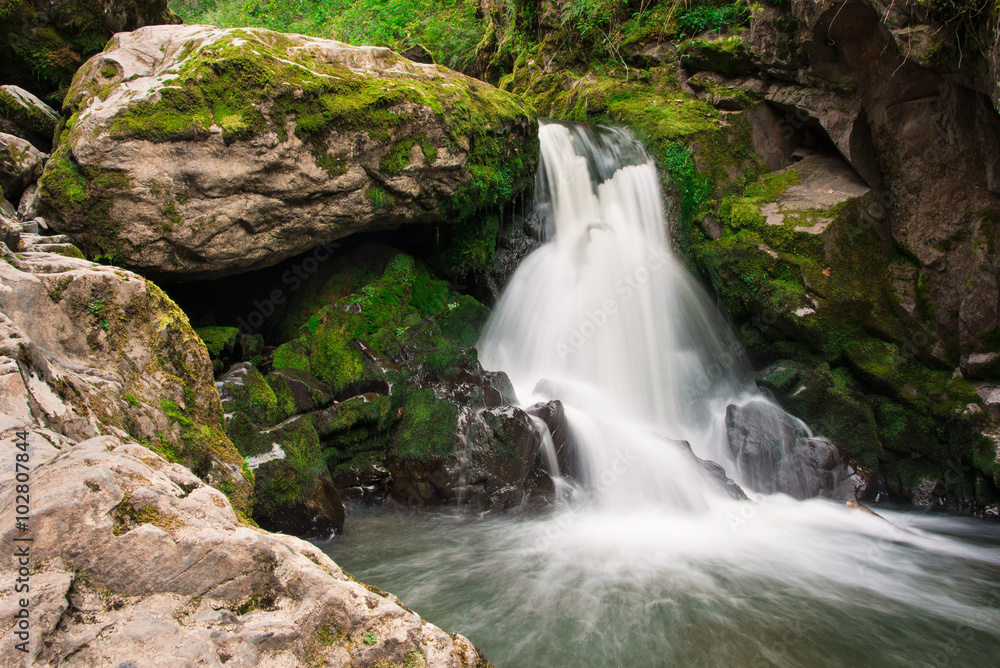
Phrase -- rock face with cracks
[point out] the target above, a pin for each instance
(135, 561)
(87, 350)
(194, 152)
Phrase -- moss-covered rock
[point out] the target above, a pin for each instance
(110, 353)
(23, 115)
(20, 165)
(43, 43)
(355, 138)
(244, 390)
(834, 313)
(297, 392)
(726, 55)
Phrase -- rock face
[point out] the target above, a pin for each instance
(24, 115)
(193, 151)
(774, 453)
(135, 561)
(88, 350)
(898, 85)
(20, 165)
(44, 42)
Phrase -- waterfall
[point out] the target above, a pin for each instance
(649, 564)
(605, 318)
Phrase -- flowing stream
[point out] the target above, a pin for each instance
(646, 563)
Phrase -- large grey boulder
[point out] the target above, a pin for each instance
(194, 151)
(136, 562)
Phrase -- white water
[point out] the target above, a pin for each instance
(605, 318)
(654, 567)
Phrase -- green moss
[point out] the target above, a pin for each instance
(57, 290)
(67, 250)
(398, 157)
(286, 482)
(325, 349)
(127, 515)
(252, 396)
(380, 198)
(427, 428)
(87, 197)
(217, 339)
(725, 55)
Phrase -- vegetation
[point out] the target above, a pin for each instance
(447, 29)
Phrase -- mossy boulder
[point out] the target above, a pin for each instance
(293, 491)
(235, 149)
(244, 390)
(89, 350)
(297, 392)
(20, 165)
(726, 55)
(23, 115)
(44, 42)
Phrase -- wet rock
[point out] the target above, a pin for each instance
(287, 168)
(370, 485)
(928, 492)
(553, 415)
(494, 463)
(774, 453)
(516, 243)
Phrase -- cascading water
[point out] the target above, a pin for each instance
(606, 319)
(655, 567)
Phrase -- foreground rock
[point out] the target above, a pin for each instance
(194, 151)
(88, 350)
(135, 561)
